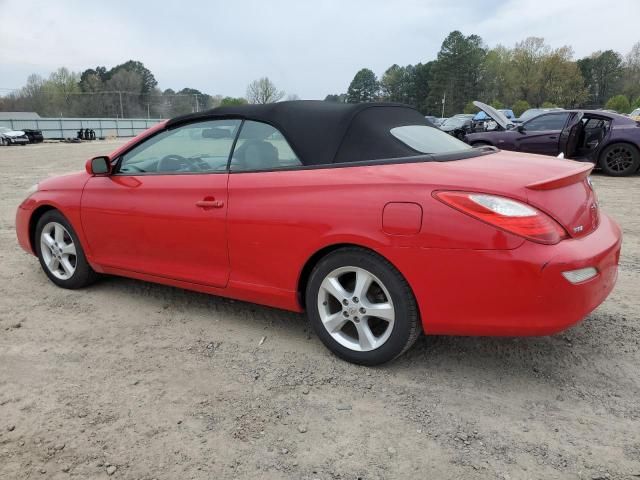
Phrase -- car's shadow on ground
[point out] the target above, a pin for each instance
(511, 356)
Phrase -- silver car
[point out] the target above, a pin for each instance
(12, 137)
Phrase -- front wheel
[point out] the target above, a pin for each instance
(361, 307)
(60, 253)
(620, 159)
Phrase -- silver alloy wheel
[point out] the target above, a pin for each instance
(58, 250)
(356, 309)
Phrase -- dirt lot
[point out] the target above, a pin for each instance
(141, 381)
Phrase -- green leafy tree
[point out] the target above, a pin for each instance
(457, 72)
(398, 84)
(364, 87)
(548, 105)
(229, 101)
(498, 76)
(619, 103)
(336, 98)
(470, 108)
(147, 80)
(631, 73)
(422, 86)
(519, 107)
(602, 73)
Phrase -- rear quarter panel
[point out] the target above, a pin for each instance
(278, 220)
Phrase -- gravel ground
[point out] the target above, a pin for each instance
(138, 381)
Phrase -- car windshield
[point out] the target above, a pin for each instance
(530, 113)
(454, 122)
(424, 139)
(635, 113)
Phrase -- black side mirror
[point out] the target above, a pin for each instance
(100, 166)
(520, 128)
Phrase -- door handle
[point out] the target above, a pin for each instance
(553, 137)
(206, 204)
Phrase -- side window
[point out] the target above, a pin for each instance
(202, 147)
(550, 121)
(261, 147)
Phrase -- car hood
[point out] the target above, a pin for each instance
(69, 181)
(13, 133)
(449, 128)
(500, 118)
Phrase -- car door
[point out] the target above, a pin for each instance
(541, 134)
(163, 211)
(262, 229)
(570, 135)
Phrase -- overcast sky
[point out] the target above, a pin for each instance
(310, 48)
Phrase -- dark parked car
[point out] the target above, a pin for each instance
(609, 140)
(457, 126)
(34, 136)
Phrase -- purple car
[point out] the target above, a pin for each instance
(609, 140)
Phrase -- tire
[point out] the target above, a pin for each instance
(480, 144)
(619, 159)
(60, 253)
(343, 321)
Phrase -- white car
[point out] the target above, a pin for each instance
(12, 137)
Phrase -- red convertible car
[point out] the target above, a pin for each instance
(378, 225)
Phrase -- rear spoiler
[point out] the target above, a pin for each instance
(562, 180)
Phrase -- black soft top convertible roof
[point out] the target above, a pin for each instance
(324, 132)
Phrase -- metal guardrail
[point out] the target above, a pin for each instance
(68, 127)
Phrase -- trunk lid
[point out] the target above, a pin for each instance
(561, 188)
(570, 199)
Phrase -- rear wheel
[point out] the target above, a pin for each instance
(620, 159)
(60, 253)
(480, 144)
(361, 307)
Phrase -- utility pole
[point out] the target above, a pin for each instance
(197, 106)
(121, 111)
(148, 114)
(444, 99)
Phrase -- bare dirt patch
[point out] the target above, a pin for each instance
(138, 381)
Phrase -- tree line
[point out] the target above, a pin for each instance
(530, 74)
(128, 90)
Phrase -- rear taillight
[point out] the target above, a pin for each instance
(506, 214)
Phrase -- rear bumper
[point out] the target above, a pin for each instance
(515, 292)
